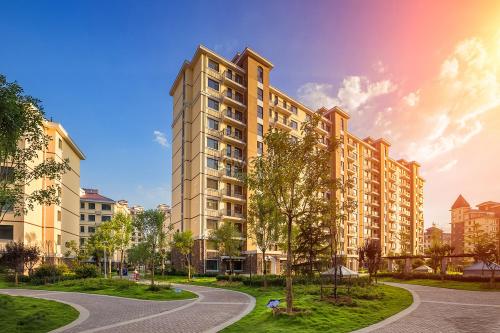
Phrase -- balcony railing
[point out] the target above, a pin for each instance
(234, 80)
(233, 117)
(233, 99)
(233, 136)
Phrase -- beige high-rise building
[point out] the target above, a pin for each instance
(222, 109)
(50, 227)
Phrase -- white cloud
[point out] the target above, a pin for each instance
(449, 68)
(412, 98)
(355, 92)
(379, 67)
(448, 166)
(161, 139)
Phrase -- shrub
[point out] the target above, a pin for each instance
(21, 278)
(85, 271)
(48, 273)
(430, 276)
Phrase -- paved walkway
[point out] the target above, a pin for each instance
(213, 310)
(444, 310)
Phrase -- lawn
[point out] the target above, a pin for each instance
(112, 287)
(461, 285)
(370, 305)
(25, 314)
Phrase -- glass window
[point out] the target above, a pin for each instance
(260, 130)
(212, 204)
(260, 74)
(91, 229)
(82, 217)
(238, 115)
(213, 65)
(228, 150)
(238, 152)
(106, 218)
(106, 207)
(212, 143)
(239, 97)
(213, 124)
(82, 228)
(212, 183)
(260, 94)
(92, 218)
(91, 205)
(213, 84)
(59, 215)
(7, 232)
(238, 209)
(60, 144)
(212, 163)
(212, 265)
(238, 189)
(82, 205)
(293, 124)
(294, 109)
(213, 104)
(260, 112)
(260, 148)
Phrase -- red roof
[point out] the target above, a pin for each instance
(460, 203)
(93, 195)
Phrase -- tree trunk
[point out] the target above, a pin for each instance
(16, 278)
(289, 287)
(189, 266)
(230, 270)
(110, 261)
(121, 264)
(152, 271)
(335, 280)
(492, 278)
(264, 268)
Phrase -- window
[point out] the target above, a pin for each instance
(211, 245)
(228, 189)
(212, 183)
(213, 104)
(91, 230)
(213, 124)
(238, 115)
(212, 143)
(260, 148)
(212, 163)
(82, 228)
(238, 78)
(238, 133)
(92, 218)
(239, 227)
(106, 218)
(212, 224)
(260, 112)
(82, 241)
(294, 109)
(342, 123)
(213, 65)
(238, 189)
(260, 94)
(7, 232)
(60, 143)
(106, 207)
(82, 205)
(91, 205)
(59, 215)
(238, 265)
(238, 152)
(238, 209)
(239, 97)
(228, 169)
(260, 130)
(212, 265)
(293, 124)
(82, 217)
(212, 204)
(213, 84)
(6, 173)
(228, 150)
(59, 240)
(260, 74)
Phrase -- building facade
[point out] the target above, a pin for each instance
(467, 223)
(222, 110)
(435, 233)
(50, 227)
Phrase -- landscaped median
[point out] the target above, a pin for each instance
(450, 284)
(362, 305)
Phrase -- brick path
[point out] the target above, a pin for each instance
(444, 310)
(213, 310)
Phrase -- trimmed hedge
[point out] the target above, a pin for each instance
(85, 271)
(431, 276)
(280, 280)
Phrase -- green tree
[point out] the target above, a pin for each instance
(371, 255)
(17, 255)
(122, 227)
(486, 251)
(164, 246)
(75, 251)
(311, 240)
(264, 219)
(106, 241)
(22, 142)
(150, 224)
(138, 255)
(183, 243)
(295, 174)
(227, 242)
(93, 249)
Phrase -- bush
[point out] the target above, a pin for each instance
(48, 273)
(21, 278)
(85, 271)
(431, 276)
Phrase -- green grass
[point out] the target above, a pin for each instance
(112, 287)
(24, 314)
(460, 285)
(371, 305)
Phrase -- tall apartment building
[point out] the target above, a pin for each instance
(221, 111)
(466, 222)
(50, 227)
(95, 209)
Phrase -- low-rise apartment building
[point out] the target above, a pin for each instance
(50, 227)
(221, 111)
(434, 234)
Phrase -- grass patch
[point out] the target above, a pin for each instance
(25, 314)
(449, 284)
(113, 287)
(369, 305)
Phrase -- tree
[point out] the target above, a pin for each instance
(139, 254)
(311, 240)
(371, 255)
(183, 243)
(106, 241)
(93, 249)
(74, 250)
(17, 256)
(225, 238)
(150, 224)
(485, 251)
(295, 173)
(122, 227)
(264, 220)
(22, 141)
(437, 252)
(163, 246)
(31, 257)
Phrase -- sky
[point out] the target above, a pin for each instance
(423, 74)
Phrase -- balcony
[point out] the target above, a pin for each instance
(283, 108)
(231, 215)
(231, 175)
(233, 137)
(213, 132)
(231, 98)
(322, 130)
(352, 169)
(352, 156)
(351, 144)
(232, 117)
(232, 156)
(232, 196)
(213, 153)
(231, 79)
(281, 122)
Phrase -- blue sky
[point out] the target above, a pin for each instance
(104, 68)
